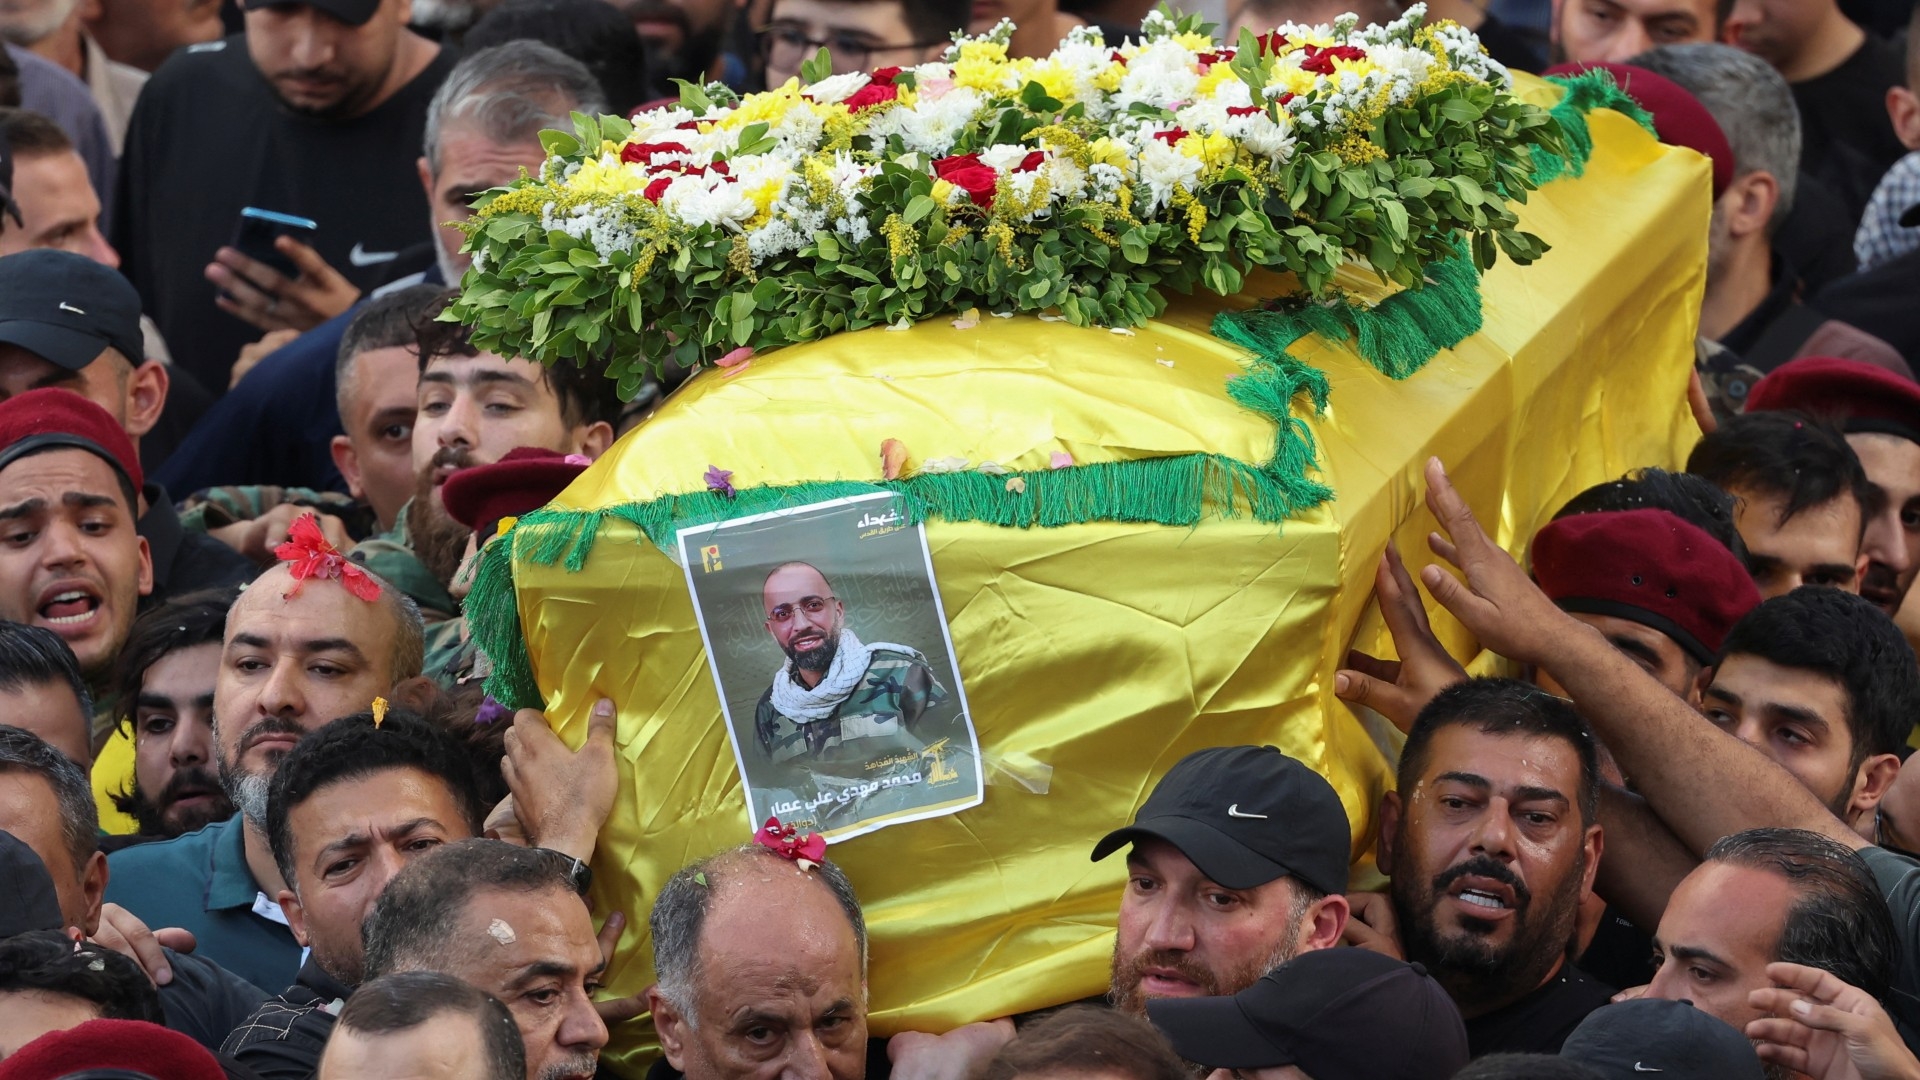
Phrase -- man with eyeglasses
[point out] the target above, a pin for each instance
(838, 701)
(858, 34)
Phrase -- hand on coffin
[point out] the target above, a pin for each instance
(1399, 689)
(561, 797)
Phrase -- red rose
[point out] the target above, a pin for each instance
(1244, 110)
(657, 188)
(966, 173)
(1272, 42)
(1031, 161)
(1320, 61)
(643, 153)
(1208, 59)
(885, 75)
(1284, 98)
(1171, 135)
(874, 93)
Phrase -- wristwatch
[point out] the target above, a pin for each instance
(579, 874)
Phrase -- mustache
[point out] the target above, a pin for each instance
(1178, 963)
(194, 779)
(1484, 866)
(266, 728)
(458, 457)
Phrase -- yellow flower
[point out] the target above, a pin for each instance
(767, 108)
(596, 178)
(762, 197)
(379, 711)
(1107, 151)
(1214, 151)
(1196, 42)
(1210, 82)
(1111, 77)
(1056, 79)
(942, 192)
(982, 66)
(1292, 80)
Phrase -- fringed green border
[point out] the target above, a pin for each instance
(1587, 91)
(1398, 336)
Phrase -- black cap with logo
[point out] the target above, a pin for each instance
(1246, 815)
(1648, 1035)
(1337, 1014)
(68, 309)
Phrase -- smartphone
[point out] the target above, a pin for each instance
(257, 230)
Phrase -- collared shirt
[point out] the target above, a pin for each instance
(390, 554)
(1881, 238)
(201, 882)
(115, 87)
(285, 1036)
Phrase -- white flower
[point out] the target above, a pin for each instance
(1162, 168)
(1162, 75)
(1004, 157)
(930, 127)
(838, 87)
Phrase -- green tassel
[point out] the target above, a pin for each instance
(1585, 92)
(492, 612)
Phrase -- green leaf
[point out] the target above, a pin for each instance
(817, 68)
(559, 143)
(918, 207)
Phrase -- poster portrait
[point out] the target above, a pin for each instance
(834, 666)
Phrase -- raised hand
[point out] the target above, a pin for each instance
(1399, 689)
(560, 796)
(1826, 1028)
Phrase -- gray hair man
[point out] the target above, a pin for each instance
(802, 976)
(511, 921)
(1752, 305)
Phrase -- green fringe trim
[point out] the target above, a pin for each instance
(1587, 91)
(1399, 336)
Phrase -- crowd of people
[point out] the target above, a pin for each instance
(242, 480)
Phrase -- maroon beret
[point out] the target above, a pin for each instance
(1865, 397)
(113, 1044)
(526, 479)
(1678, 116)
(39, 419)
(1647, 566)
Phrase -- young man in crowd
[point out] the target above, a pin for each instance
(422, 1023)
(72, 323)
(717, 957)
(46, 803)
(1593, 31)
(1698, 782)
(482, 128)
(1755, 263)
(1840, 76)
(540, 955)
(1769, 896)
(296, 654)
(58, 206)
(1880, 413)
(41, 690)
(1801, 494)
(313, 112)
(1490, 840)
(862, 36)
(474, 407)
(164, 684)
(72, 562)
(351, 805)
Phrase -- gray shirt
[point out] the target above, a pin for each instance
(60, 96)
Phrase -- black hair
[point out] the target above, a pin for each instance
(386, 321)
(1693, 499)
(197, 618)
(407, 999)
(31, 134)
(586, 395)
(1847, 639)
(415, 925)
(1786, 454)
(48, 962)
(354, 747)
(35, 656)
(593, 32)
(1088, 1040)
(933, 21)
(1526, 1067)
(23, 753)
(1504, 707)
(1839, 921)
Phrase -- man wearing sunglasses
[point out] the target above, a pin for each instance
(859, 35)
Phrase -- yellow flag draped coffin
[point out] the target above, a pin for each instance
(1152, 507)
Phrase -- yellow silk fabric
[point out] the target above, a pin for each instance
(1095, 656)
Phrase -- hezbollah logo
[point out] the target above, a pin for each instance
(710, 558)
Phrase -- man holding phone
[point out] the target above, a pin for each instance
(313, 113)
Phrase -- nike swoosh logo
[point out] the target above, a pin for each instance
(360, 256)
(1637, 1067)
(64, 306)
(1234, 811)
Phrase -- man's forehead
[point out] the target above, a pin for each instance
(57, 473)
(883, 18)
(1758, 681)
(471, 161)
(1500, 757)
(467, 368)
(1704, 10)
(271, 607)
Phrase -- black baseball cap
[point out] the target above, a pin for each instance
(66, 308)
(28, 901)
(1338, 1014)
(351, 12)
(1646, 1035)
(1246, 815)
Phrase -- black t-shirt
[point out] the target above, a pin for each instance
(1846, 137)
(209, 138)
(1541, 1021)
(1620, 954)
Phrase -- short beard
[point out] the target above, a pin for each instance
(248, 794)
(1123, 989)
(816, 659)
(438, 541)
(571, 1066)
(150, 816)
(1477, 975)
(248, 791)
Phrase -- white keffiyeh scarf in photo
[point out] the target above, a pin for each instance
(797, 703)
